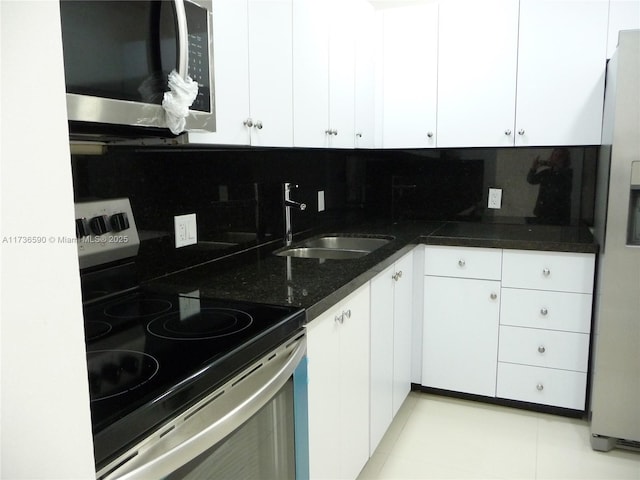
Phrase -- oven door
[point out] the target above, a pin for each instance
(253, 427)
(118, 56)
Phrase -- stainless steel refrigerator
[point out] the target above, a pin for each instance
(615, 391)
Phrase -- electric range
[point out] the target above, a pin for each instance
(151, 355)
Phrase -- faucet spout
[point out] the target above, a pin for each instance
(288, 205)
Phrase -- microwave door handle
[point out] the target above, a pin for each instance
(183, 39)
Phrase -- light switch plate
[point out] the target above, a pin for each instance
(495, 198)
(186, 229)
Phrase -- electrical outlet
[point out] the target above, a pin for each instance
(321, 200)
(495, 198)
(186, 229)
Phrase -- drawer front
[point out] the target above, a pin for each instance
(463, 262)
(562, 272)
(545, 386)
(570, 312)
(544, 348)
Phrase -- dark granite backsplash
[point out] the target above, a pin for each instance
(236, 193)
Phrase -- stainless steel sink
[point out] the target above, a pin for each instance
(335, 242)
(335, 247)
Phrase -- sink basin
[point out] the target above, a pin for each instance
(335, 242)
(335, 247)
(322, 253)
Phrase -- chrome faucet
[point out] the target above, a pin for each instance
(288, 204)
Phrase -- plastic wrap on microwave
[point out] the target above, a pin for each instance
(177, 101)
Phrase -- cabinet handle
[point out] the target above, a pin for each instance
(507, 132)
(541, 349)
(493, 295)
(544, 311)
(248, 123)
(347, 313)
(258, 125)
(340, 318)
(521, 131)
(430, 134)
(546, 272)
(359, 135)
(540, 387)
(335, 132)
(461, 263)
(397, 276)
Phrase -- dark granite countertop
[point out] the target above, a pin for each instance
(260, 276)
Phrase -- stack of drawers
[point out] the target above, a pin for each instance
(545, 320)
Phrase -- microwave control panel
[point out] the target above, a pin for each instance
(199, 55)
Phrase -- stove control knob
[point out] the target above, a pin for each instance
(82, 228)
(100, 225)
(119, 221)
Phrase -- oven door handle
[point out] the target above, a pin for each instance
(210, 420)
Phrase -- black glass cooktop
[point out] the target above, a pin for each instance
(151, 356)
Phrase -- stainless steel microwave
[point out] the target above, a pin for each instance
(118, 56)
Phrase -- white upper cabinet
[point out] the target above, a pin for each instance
(365, 75)
(561, 70)
(271, 72)
(231, 75)
(324, 73)
(623, 15)
(409, 76)
(342, 70)
(311, 73)
(477, 61)
(253, 74)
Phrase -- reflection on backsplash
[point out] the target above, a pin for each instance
(237, 194)
(537, 185)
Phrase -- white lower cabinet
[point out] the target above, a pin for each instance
(460, 335)
(338, 370)
(391, 323)
(546, 386)
(545, 324)
(461, 316)
(512, 324)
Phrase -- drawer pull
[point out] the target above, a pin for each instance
(493, 295)
(397, 275)
(540, 387)
(544, 311)
(461, 263)
(546, 272)
(340, 318)
(541, 349)
(347, 313)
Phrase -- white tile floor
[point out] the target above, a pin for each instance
(435, 437)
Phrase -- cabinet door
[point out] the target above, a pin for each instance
(402, 321)
(338, 369)
(409, 77)
(382, 354)
(231, 75)
(271, 72)
(460, 337)
(365, 75)
(323, 353)
(354, 384)
(561, 71)
(477, 64)
(311, 73)
(342, 45)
